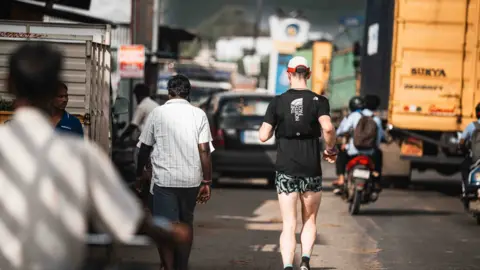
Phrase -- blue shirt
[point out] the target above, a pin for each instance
(350, 122)
(468, 132)
(70, 124)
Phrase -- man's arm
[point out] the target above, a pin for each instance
(206, 160)
(78, 127)
(142, 158)
(269, 122)
(147, 140)
(204, 140)
(135, 123)
(116, 207)
(328, 131)
(128, 131)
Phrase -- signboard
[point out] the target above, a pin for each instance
(282, 83)
(289, 29)
(131, 61)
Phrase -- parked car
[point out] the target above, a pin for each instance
(201, 97)
(235, 118)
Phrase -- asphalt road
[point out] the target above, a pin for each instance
(423, 227)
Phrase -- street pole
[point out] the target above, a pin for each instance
(256, 32)
(153, 61)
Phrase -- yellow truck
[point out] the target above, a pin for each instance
(421, 57)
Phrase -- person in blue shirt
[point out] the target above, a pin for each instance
(64, 122)
(464, 138)
(357, 106)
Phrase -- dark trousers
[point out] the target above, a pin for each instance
(177, 205)
(343, 158)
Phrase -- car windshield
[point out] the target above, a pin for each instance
(245, 106)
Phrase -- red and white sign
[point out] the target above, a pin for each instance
(131, 61)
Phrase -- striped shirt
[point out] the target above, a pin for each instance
(175, 130)
(48, 184)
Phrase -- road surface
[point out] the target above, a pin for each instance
(423, 227)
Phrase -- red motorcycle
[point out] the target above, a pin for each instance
(359, 187)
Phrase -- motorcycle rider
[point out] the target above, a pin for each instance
(468, 136)
(349, 151)
(372, 102)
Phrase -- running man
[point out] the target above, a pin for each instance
(298, 118)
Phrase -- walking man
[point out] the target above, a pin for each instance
(64, 121)
(178, 133)
(144, 108)
(51, 181)
(298, 117)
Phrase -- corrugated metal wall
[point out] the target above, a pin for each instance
(74, 73)
(120, 34)
(342, 84)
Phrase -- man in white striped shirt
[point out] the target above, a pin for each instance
(178, 133)
(49, 181)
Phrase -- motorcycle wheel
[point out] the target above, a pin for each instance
(354, 206)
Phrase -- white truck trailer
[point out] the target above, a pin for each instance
(86, 49)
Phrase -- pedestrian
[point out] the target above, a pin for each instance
(298, 118)
(51, 181)
(177, 137)
(62, 120)
(144, 108)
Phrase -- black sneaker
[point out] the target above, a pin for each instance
(305, 266)
(288, 268)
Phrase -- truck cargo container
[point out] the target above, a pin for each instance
(421, 58)
(86, 49)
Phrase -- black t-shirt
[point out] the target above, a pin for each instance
(294, 116)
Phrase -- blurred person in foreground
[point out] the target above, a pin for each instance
(51, 181)
(177, 137)
(63, 121)
(297, 118)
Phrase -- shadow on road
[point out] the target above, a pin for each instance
(402, 212)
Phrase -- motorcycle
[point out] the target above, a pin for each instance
(359, 187)
(472, 191)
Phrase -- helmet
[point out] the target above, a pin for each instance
(477, 110)
(356, 103)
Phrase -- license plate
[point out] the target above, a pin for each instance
(363, 174)
(251, 137)
(412, 147)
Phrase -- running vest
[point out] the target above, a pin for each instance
(298, 116)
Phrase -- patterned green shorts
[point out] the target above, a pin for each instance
(288, 184)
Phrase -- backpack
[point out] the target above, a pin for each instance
(475, 142)
(365, 133)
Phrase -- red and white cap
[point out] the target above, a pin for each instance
(297, 61)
